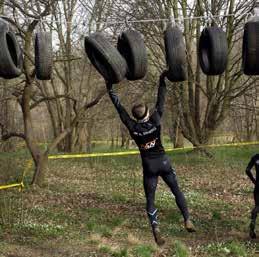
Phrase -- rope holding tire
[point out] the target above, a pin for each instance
(213, 51)
(10, 53)
(43, 55)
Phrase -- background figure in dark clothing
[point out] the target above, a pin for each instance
(146, 130)
(254, 162)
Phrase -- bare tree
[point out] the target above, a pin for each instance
(25, 17)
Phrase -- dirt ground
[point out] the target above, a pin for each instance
(97, 208)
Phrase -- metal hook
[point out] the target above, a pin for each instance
(180, 20)
(40, 25)
(164, 25)
(206, 19)
(213, 20)
(221, 19)
(171, 19)
(247, 16)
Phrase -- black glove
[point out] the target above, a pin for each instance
(163, 75)
(108, 85)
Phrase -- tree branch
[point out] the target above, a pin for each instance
(75, 120)
(50, 98)
(13, 134)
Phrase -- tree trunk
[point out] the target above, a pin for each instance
(179, 142)
(41, 167)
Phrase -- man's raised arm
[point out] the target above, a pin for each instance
(124, 116)
(161, 94)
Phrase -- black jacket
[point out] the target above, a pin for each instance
(147, 135)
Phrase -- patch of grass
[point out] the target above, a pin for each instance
(105, 249)
(171, 222)
(39, 230)
(173, 216)
(173, 229)
(55, 215)
(99, 228)
(120, 253)
(216, 215)
(181, 250)
(119, 198)
(116, 221)
(104, 230)
(93, 242)
(3, 247)
(116, 253)
(11, 208)
(99, 221)
(96, 201)
(143, 251)
(197, 199)
(224, 249)
(94, 212)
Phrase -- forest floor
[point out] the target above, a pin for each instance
(96, 207)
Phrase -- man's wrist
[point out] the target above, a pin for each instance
(108, 85)
(163, 75)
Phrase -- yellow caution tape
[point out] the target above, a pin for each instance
(213, 146)
(67, 156)
(70, 156)
(21, 184)
(170, 149)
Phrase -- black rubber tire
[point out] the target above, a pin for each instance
(132, 47)
(213, 51)
(105, 58)
(250, 61)
(43, 55)
(175, 51)
(4, 24)
(10, 54)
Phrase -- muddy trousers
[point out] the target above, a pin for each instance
(153, 168)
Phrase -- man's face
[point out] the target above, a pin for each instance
(146, 118)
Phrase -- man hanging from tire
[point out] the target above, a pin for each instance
(146, 130)
(254, 162)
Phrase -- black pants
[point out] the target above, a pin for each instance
(256, 200)
(152, 169)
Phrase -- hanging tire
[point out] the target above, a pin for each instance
(4, 24)
(175, 51)
(132, 47)
(10, 54)
(105, 58)
(250, 61)
(213, 51)
(43, 55)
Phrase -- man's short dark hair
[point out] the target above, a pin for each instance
(139, 111)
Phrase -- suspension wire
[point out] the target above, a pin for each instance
(169, 19)
(207, 17)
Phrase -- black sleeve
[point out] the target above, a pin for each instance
(124, 116)
(249, 168)
(159, 108)
(161, 96)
